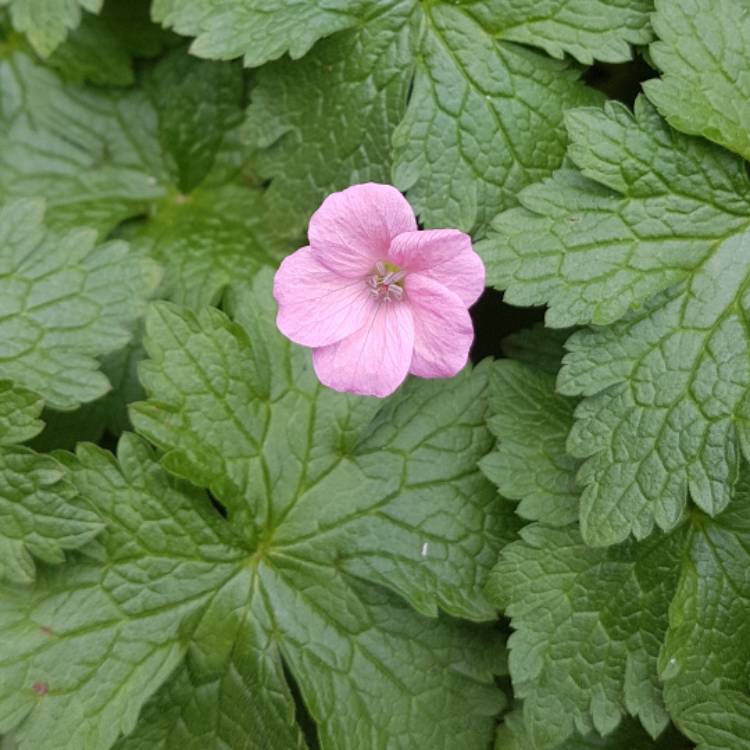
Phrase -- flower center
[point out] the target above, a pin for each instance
(385, 281)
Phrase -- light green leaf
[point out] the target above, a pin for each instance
(531, 423)
(93, 155)
(484, 120)
(64, 300)
(702, 49)
(647, 208)
(40, 514)
(82, 651)
(585, 29)
(46, 22)
(704, 660)
(325, 122)
(97, 158)
(589, 623)
(256, 30)
(19, 409)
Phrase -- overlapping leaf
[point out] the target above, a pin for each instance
(46, 22)
(703, 48)
(100, 157)
(600, 630)
(65, 301)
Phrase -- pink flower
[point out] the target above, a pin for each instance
(374, 297)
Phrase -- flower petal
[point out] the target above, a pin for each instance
(373, 361)
(443, 331)
(317, 307)
(444, 255)
(353, 229)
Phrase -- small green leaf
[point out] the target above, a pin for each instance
(702, 49)
(586, 29)
(46, 22)
(19, 409)
(531, 423)
(40, 513)
(65, 300)
(255, 30)
(589, 623)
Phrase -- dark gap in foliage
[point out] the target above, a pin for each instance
(620, 81)
(109, 441)
(494, 320)
(304, 719)
(218, 507)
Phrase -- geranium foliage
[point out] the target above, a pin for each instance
(202, 546)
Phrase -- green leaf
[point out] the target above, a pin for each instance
(513, 735)
(40, 514)
(102, 48)
(196, 103)
(108, 414)
(256, 30)
(585, 29)
(589, 623)
(531, 423)
(325, 122)
(702, 49)
(19, 409)
(283, 455)
(46, 22)
(65, 300)
(484, 120)
(646, 209)
(93, 155)
(704, 660)
(539, 347)
(97, 158)
(84, 648)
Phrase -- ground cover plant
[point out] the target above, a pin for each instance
(252, 494)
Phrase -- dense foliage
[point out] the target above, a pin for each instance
(203, 547)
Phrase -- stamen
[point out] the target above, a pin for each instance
(384, 283)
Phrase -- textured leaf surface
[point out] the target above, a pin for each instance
(585, 29)
(46, 22)
(484, 120)
(19, 412)
(64, 300)
(704, 663)
(589, 623)
(97, 157)
(282, 454)
(40, 513)
(539, 347)
(703, 48)
(531, 423)
(257, 30)
(647, 208)
(82, 651)
(325, 122)
(101, 49)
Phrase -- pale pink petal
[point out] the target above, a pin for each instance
(353, 229)
(443, 331)
(444, 255)
(317, 307)
(373, 361)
